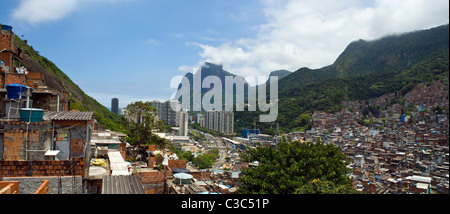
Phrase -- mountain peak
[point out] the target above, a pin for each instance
(209, 64)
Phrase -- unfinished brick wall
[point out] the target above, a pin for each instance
(14, 143)
(14, 78)
(201, 175)
(6, 39)
(152, 177)
(154, 190)
(6, 42)
(15, 136)
(173, 164)
(6, 58)
(42, 168)
(77, 147)
(34, 79)
(39, 139)
(153, 181)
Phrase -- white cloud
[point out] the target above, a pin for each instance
(188, 69)
(37, 11)
(310, 33)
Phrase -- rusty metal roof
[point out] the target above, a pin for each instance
(68, 115)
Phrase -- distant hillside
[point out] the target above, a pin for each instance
(280, 73)
(365, 70)
(388, 55)
(57, 79)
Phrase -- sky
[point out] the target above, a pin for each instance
(133, 49)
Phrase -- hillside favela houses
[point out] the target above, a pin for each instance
(391, 151)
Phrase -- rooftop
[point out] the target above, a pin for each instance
(122, 184)
(106, 137)
(68, 115)
(118, 165)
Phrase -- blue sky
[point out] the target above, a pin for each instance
(131, 49)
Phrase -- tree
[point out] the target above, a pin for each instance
(318, 186)
(303, 122)
(291, 166)
(139, 123)
(206, 160)
(182, 155)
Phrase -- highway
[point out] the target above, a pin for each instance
(215, 142)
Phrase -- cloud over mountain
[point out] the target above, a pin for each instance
(305, 33)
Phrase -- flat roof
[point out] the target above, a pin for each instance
(422, 186)
(105, 141)
(117, 164)
(420, 179)
(106, 137)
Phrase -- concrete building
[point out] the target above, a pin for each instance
(13, 70)
(115, 105)
(183, 123)
(165, 111)
(220, 121)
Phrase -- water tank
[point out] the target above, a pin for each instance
(14, 91)
(182, 178)
(31, 114)
(181, 170)
(6, 27)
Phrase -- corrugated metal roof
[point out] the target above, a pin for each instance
(68, 115)
(122, 184)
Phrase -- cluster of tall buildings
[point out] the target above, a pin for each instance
(168, 112)
(219, 121)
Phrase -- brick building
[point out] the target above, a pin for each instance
(14, 71)
(10, 59)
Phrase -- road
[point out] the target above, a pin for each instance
(215, 143)
(222, 155)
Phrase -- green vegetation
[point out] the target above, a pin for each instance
(182, 155)
(196, 136)
(295, 168)
(318, 186)
(204, 161)
(303, 122)
(139, 126)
